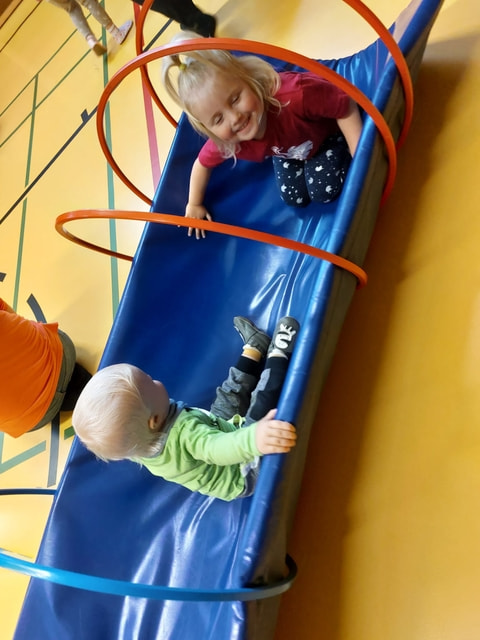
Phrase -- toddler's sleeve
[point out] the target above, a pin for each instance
(219, 447)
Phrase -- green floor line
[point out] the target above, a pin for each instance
(6, 465)
(44, 99)
(115, 288)
(25, 202)
(68, 433)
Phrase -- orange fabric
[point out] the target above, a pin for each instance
(30, 362)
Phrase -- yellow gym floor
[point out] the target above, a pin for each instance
(387, 532)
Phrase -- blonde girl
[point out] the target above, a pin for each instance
(247, 110)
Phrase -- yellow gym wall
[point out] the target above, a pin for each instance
(387, 529)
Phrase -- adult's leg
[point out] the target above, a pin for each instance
(79, 379)
(66, 372)
(187, 14)
(290, 177)
(325, 172)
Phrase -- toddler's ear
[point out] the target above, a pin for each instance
(154, 423)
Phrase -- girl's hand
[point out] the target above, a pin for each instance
(199, 212)
(274, 436)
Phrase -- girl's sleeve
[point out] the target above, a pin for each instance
(322, 99)
(213, 446)
(210, 155)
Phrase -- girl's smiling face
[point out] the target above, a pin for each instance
(229, 109)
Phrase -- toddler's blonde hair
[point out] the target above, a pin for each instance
(111, 418)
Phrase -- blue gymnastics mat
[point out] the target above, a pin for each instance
(117, 521)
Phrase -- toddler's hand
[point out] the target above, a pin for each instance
(199, 212)
(274, 436)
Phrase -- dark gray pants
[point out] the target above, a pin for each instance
(247, 395)
(68, 365)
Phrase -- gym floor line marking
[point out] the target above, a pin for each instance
(86, 117)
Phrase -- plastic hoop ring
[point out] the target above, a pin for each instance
(143, 69)
(218, 227)
(398, 57)
(88, 582)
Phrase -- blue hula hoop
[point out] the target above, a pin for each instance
(9, 560)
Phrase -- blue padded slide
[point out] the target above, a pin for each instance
(175, 321)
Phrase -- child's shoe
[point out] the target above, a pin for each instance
(251, 335)
(284, 337)
(96, 46)
(120, 33)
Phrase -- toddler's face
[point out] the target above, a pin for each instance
(228, 108)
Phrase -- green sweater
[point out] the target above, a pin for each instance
(206, 453)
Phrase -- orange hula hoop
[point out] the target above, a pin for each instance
(217, 227)
(398, 57)
(143, 69)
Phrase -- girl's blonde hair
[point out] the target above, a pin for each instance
(111, 418)
(193, 67)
